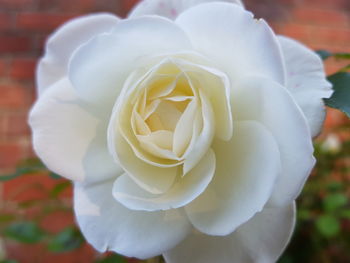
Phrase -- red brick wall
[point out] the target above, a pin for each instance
(25, 24)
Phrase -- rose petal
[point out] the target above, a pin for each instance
(108, 225)
(151, 178)
(261, 239)
(237, 43)
(170, 9)
(99, 68)
(61, 45)
(272, 105)
(183, 191)
(247, 167)
(306, 80)
(65, 136)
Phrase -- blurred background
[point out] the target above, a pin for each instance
(36, 221)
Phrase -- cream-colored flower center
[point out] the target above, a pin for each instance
(170, 114)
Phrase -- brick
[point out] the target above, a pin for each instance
(16, 4)
(129, 4)
(41, 22)
(73, 5)
(329, 36)
(16, 124)
(334, 4)
(11, 44)
(3, 68)
(297, 31)
(23, 69)
(325, 17)
(10, 155)
(5, 22)
(12, 97)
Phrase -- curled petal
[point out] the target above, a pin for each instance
(261, 239)
(269, 103)
(66, 136)
(61, 45)
(170, 8)
(247, 167)
(108, 225)
(184, 190)
(306, 81)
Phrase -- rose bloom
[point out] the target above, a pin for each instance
(186, 128)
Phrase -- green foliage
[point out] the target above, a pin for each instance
(341, 96)
(67, 240)
(26, 232)
(328, 225)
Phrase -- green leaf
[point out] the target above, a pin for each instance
(67, 240)
(341, 97)
(55, 176)
(59, 188)
(115, 258)
(334, 201)
(328, 226)
(26, 232)
(10, 176)
(345, 214)
(342, 55)
(4, 218)
(324, 54)
(8, 261)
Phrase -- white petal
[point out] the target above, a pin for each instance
(247, 167)
(151, 178)
(184, 190)
(108, 225)
(61, 45)
(237, 43)
(261, 240)
(271, 104)
(99, 68)
(306, 81)
(169, 8)
(67, 138)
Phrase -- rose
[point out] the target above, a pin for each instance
(188, 138)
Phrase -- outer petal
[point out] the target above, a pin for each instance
(170, 8)
(306, 80)
(65, 136)
(108, 225)
(184, 190)
(272, 105)
(247, 167)
(60, 46)
(99, 68)
(261, 240)
(237, 43)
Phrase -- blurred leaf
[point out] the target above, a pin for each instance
(26, 232)
(10, 176)
(324, 54)
(59, 188)
(342, 55)
(115, 258)
(334, 186)
(8, 261)
(341, 96)
(334, 201)
(328, 226)
(304, 214)
(345, 214)
(4, 218)
(54, 176)
(67, 240)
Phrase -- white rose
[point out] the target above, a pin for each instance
(189, 137)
